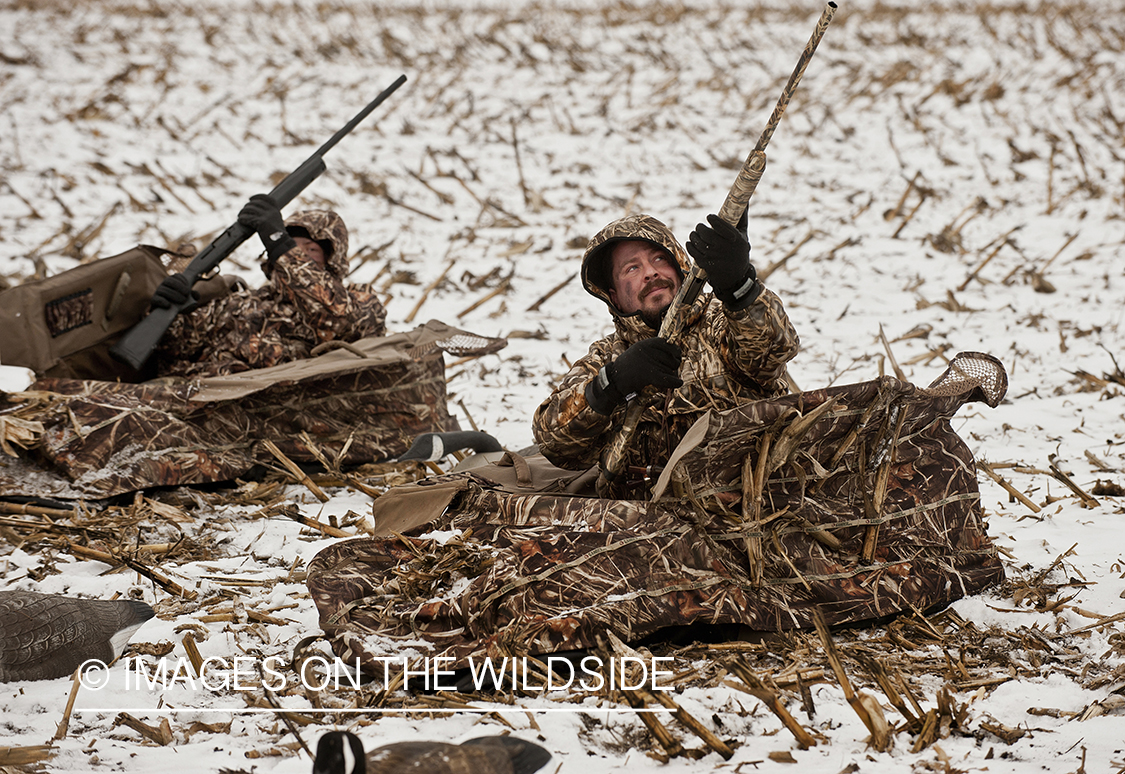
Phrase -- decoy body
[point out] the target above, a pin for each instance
(44, 636)
(341, 752)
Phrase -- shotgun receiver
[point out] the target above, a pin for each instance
(137, 344)
(613, 459)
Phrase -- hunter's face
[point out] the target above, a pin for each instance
(645, 278)
(312, 250)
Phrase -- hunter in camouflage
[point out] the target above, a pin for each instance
(304, 304)
(857, 501)
(732, 353)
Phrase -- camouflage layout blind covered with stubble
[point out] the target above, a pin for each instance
(859, 500)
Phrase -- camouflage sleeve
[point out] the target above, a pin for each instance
(324, 302)
(188, 334)
(757, 342)
(571, 434)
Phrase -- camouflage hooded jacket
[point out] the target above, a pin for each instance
(301, 306)
(729, 358)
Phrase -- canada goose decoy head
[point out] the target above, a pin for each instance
(433, 446)
(341, 752)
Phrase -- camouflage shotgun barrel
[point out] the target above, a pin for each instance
(135, 346)
(733, 207)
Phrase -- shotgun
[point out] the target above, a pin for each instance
(137, 343)
(735, 204)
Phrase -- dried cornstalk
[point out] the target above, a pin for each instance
(769, 696)
(891, 356)
(1100, 623)
(24, 756)
(430, 288)
(893, 213)
(527, 198)
(690, 721)
(1009, 488)
(503, 287)
(1007, 734)
(47, 526)
(692, 724)
(21, 432)
(973, 274)
(927, 357)
(161, 734)
(877, 670)
(64, 724)
(295, 514)
(35, 510)
(1088, 501)
(193, 653)
(873, 499)
(295, 470)
(659, 731)
(780, 262)
(910, 216)
(945, 715)
(878, 403)
(753, 476)
(864, 704)
(468, 416)
(543, 298)
(805, 675)
(155, 576)
(288, 719)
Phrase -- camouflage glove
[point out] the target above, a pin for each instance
(723, 251)
(652, 361)
(176, 291)
(262, 214)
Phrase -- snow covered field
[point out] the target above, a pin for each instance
(950, 175)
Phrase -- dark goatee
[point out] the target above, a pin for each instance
(654, 319)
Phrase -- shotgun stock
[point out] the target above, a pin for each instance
(137, 343)
(671, 328)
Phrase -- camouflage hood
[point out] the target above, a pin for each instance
(325, 225)
(595, 262)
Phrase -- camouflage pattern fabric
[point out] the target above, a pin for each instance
(729, 358)
(107, 438)
(303, 305)
(859, 499)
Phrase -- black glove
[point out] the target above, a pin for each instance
(262, 214)
(652, 361)
(176, 291)
(723, 251)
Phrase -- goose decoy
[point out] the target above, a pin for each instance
(430, 447)
(45, 636)
(341, 752)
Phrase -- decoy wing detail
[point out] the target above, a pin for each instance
(46, 636)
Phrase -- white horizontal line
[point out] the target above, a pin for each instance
(369, 711)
